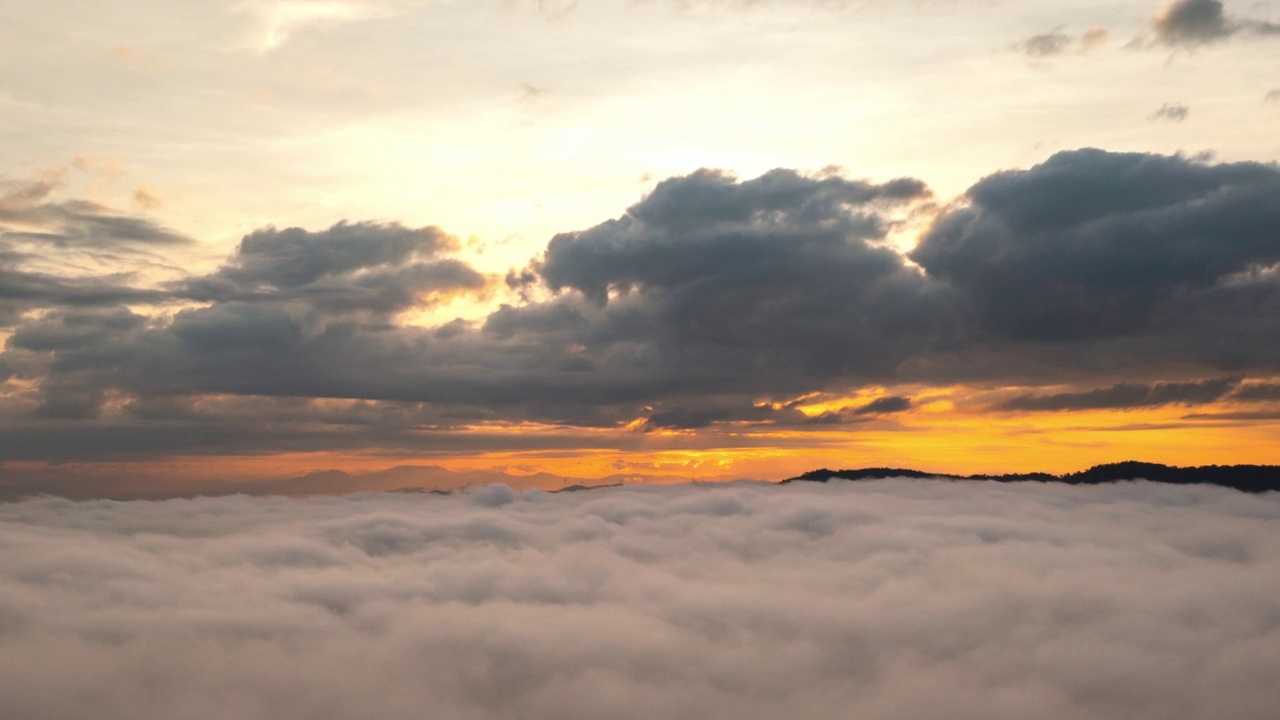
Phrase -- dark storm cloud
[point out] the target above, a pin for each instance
(75, 354)
(717, 286)
(1127, 395)
(1173, 112)
(1092, 245)
(294, 257)
(709, 287)
(709, 225)
(711, 301)
(22, 290)
(380, 267)
(283, 300)
(877, 600)
(1189, 23)
(764, 285)
(75, 329)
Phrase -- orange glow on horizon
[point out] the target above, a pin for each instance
(938, 435)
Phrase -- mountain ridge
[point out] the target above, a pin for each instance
(1245, 478)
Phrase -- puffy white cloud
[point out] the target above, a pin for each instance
(888, 599)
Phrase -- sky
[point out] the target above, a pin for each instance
(911, 600)
(331, 245)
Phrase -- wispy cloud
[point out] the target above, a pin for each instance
(1127, 395)
(1057, 42)
(1173, 112)
(1045, 44)
(279, 19)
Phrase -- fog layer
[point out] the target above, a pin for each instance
(888, 599)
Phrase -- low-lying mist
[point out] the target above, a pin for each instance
(887, 599)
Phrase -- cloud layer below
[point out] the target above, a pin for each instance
(890, 599)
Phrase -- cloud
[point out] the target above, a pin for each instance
(1257, 391)
(21, 290)
(29, 215)
(705, 214)
(1091, 244)
(146, 198)
(384, 267)
(860, 414)
(1127, 395)
(281, 289)
(686, 417)
(1173, 112)
(713, 302)
(1094, 37)
(1179, 24)
(1046, 44)
(666, 302)
(1272, 96)
(1056, 42)
(714, 286)
(1190, 23)
(560, 9)
(886, 599)
(705, 412)
(279, 19)
(57, 253)
(295, 257)
(884, 406)
(555, 9)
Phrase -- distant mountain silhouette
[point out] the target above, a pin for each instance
(580, 488)
(1246, 478)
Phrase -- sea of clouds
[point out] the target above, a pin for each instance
(888, 599)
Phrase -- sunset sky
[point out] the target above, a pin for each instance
(244, 244)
